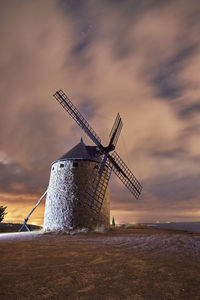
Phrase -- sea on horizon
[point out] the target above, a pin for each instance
(188, 226)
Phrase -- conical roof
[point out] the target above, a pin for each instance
(81, 151)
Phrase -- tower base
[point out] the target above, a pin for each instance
(64, 208)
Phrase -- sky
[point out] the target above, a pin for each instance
(139, 58)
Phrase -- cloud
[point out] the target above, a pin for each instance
(138, 58)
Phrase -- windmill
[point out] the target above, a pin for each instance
(78, 194)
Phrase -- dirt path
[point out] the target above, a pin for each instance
(130, 264)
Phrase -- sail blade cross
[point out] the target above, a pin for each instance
(76, 115)
(125, 174)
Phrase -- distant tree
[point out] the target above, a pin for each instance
(113, 222)
(2, 212)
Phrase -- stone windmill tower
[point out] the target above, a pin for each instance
(65, 206)
(77, 195)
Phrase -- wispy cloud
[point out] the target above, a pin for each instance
(138, 58)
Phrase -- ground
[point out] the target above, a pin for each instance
(14, 227)
(120, 264)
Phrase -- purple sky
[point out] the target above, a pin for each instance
(140, 58)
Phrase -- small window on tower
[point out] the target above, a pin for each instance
(61, 165)
(75, 164)
(53, 168)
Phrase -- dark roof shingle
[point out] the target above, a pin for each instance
(81, 151)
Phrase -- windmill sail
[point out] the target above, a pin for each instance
(116, 130)
(76, 115)
(95, 189)
(125, 174)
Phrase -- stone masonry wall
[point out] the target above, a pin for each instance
(63, 208)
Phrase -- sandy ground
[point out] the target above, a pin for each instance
(121, 264)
